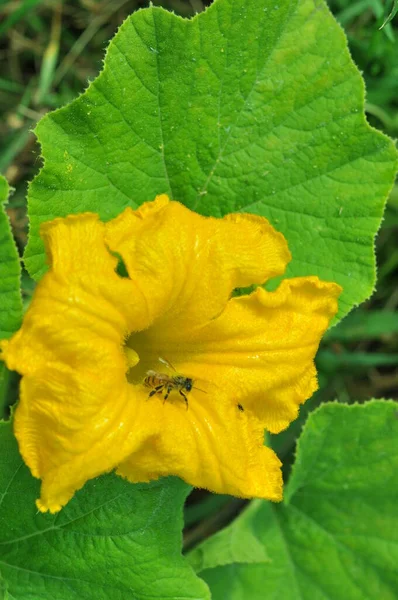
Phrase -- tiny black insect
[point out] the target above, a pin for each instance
(241, 408)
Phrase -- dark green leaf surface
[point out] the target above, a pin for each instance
(250, 106)
(113, 541)
(10, 273)
(336, 534)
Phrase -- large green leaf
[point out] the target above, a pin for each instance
(113, 541)
(250, 106)
(336, 534)
(10, 273)
(239, 543)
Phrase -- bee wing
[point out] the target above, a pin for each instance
(166, 362)
(202, 385)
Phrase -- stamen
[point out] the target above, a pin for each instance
(132, 357)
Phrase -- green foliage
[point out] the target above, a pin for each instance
(10, 273)
(10, 295)
(239, 543)
(16, 15)
(336, 533)
(250, 106)
(375, 50)
(113, 540)
(341, 361)
(394, 11)
(362, 325)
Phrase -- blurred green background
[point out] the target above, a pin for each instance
(50, 50)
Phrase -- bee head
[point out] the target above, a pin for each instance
(188, 384)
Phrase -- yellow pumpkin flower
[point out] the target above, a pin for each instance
(93, 391)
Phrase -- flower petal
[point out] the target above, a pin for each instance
(260, 351)
(188, 265)
(75, 417)
(220, 449)
(252, 357)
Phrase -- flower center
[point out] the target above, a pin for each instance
(140, 359)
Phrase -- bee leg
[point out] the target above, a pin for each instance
(156, 390)
(185, 398)
(168, 390)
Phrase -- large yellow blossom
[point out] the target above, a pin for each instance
(90, 336)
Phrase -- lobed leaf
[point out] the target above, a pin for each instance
(250, 106)
(113, 540)
(336, 534)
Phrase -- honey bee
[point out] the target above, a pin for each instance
(162, 383)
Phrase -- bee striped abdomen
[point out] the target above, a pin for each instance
(151, 381)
